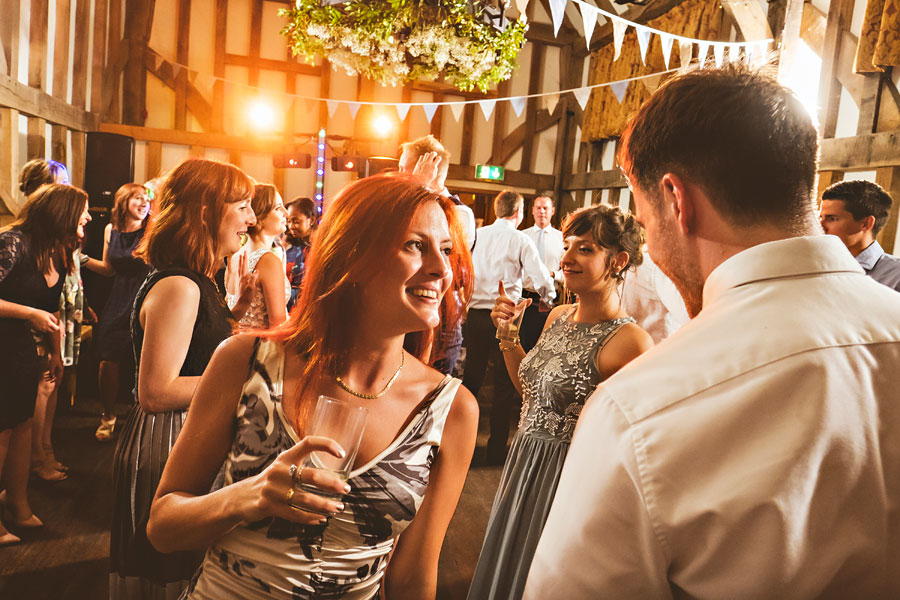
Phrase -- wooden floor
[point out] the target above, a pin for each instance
(69, 557)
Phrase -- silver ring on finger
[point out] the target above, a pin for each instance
(296, 474)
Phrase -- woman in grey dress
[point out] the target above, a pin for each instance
(581, 345)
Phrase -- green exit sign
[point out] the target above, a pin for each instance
(489, 172)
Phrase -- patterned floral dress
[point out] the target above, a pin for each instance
(557, 377)
(346, 557)
(257, 315)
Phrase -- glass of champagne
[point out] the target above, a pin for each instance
(344, 423)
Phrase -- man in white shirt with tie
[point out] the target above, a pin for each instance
(503, 253)
(755, 453)
(549, 243)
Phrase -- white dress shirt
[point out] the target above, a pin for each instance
(503, 253)
(553, 249)
(467, 218)
(753, 454)
(653, 301)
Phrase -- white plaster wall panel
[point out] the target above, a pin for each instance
(608, 158)
(334, 182)
(258, 166)
(848, 116)
(551, 74)
(237, 32)
(451, 130)
(518, 83)
(89, 74)
(483, 136)
(342, 87)
(203, 38)
(822, 5)
(271, 92)
(864, 175)
(859, 13)
(24, 38)
(192, 124)
(539, 13)
(387, 145)
(306, 113)
(49, 83)
(160, 104)
(545, 151)
(299, 182)
(140, 162)
(235, 99)
(577, 153)
(164, 35)
(173, 155)
(515, 161)
(272, 44)
(219, 154)
(418, 122)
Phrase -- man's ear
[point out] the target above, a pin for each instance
(868, 224)
(678, 198)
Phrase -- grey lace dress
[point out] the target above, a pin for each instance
(557, 376)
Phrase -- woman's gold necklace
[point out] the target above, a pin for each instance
(384, 391)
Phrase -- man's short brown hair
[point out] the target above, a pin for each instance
(507, 203)
(426, 144)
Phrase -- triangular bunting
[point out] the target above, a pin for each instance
(719, 54)
(651, 83)
(429, 109)
(589, 17)
(522, 5)
(311, 105)
(643, 37)
(176, 69)
(666, 42)
(618, 89)
(619, 27)
(557, 12)
(402, 110)
(332, 107)
(157, 62)
(685, 48)
(487, 107)
(518, 105)
(552, 101)
(581, 95)
(354, 108)
(457, 109)
(702, 50)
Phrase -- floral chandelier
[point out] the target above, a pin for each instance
(470, 43)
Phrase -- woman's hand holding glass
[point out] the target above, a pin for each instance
(279, 490)
(507, 316)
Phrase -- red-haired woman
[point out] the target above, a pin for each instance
(180, 318)
(381, 264)
(127, 223)
(36, 252)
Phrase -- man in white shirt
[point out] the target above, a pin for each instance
(503, 253)
(651, 299)
(755, 453)
(549, 244)
(427, 158)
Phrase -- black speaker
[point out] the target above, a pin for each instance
(108, 165)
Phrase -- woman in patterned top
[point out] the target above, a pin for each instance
(581, 345)
(371, 279)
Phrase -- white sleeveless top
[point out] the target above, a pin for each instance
(347, 556)
(257, 316)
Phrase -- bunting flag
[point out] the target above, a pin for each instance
(457, 109)
(332, 108)
(157, 62)
(354, 108)
(402, 110)
(666, 42)
(702, 50)
(552, 101)
(643, 37)
(582, 95)
(619, 27)
(719, 54)
(518, 105)
(618, 89)
(176, 69)
(487, 107)
(429, 109)
(589, 18)
(652, 83)
(311, 105)
(684, 50)
(522, 5)
(557, 12)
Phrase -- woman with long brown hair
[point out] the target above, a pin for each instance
(381, 263)
(127, 224)
(180, 318)
(36, 252)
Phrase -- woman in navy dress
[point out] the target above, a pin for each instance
(112, 339)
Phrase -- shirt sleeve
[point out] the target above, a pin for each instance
(535, 270)
(10, 249)
(599, 540)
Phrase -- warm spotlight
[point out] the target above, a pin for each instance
(262, 115)
(383, 125)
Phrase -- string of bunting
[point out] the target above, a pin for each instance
(590, 14)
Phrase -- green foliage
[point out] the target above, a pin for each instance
(396, 41)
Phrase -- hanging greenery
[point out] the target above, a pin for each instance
(467, 42)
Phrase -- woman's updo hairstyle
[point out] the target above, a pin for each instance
(265, 196)
(612, 229)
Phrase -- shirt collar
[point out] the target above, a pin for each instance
(791, 257)
(868, 257)
(504, 223)
(546, 229)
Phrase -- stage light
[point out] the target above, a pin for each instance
(383, 125)
(262, 115)
(296, 160)
(344, 163)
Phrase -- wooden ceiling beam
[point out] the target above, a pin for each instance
(603, 35)
(35, 103)
(861, 152)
